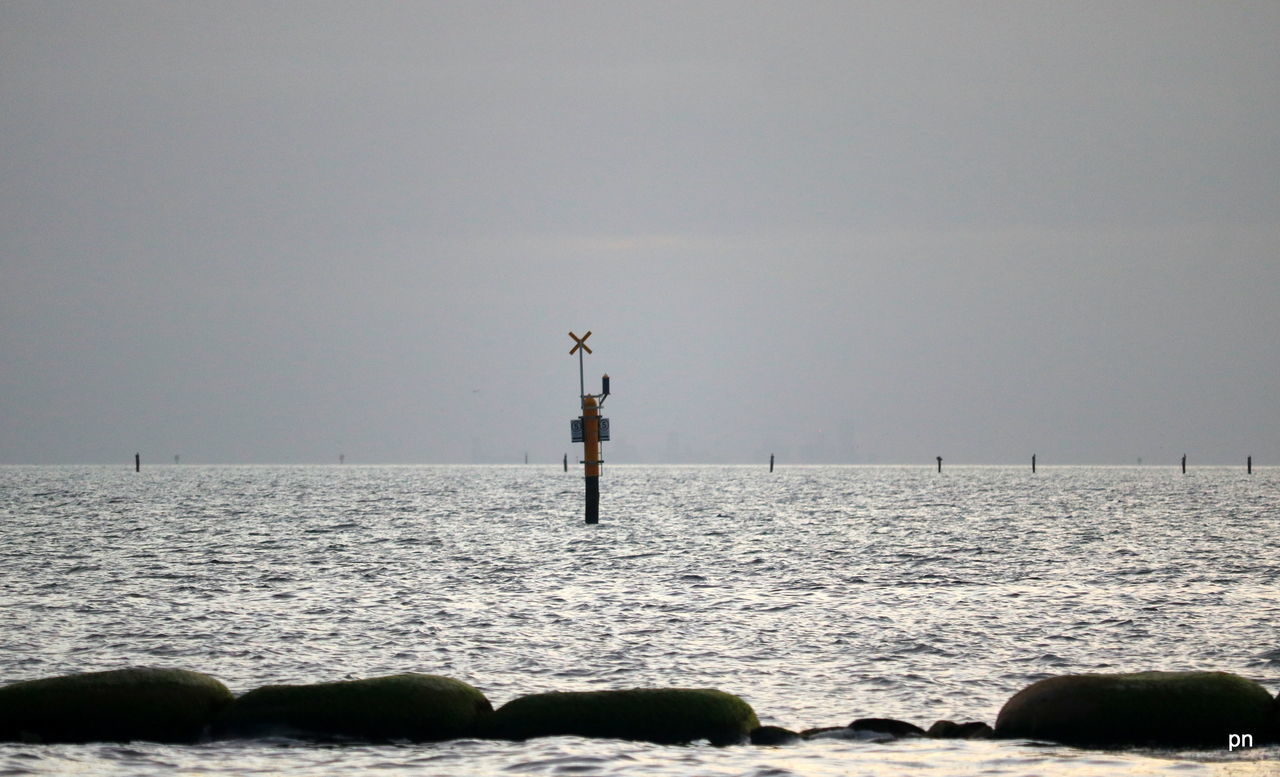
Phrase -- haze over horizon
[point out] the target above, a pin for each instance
(863, 232)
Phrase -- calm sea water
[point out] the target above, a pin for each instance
(818, 594)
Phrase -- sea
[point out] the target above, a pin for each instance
(819, 594)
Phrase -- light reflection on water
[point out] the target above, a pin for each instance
(819, 594)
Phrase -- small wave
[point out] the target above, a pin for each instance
(1044, 658)
(568, 764)
(923, 648)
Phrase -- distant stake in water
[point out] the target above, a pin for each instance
(1184, 463)
(589, 429)
(1033, 464)
(771, 462)
(137, 462)
(1249, 464)
(566, 462)
(939, 463)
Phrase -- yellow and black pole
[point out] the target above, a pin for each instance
(591, 456)
(590, 429)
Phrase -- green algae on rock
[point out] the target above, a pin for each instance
(1160, 709)
(412, 707)
(121, 705)
(661, 715)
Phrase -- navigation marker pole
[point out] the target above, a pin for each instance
(589, 429)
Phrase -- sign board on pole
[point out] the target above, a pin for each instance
(575, 430)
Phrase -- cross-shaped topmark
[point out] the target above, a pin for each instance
(580, 342)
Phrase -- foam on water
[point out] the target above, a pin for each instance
(819, 594)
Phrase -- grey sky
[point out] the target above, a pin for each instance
(846, 232)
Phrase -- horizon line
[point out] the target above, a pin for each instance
(929, 465)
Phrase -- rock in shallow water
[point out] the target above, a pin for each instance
(121, 705)
(887, 726)
(661, 715)
(413, 707)
(1160, 709)
(867, 730)
(946, 729)
(773, 735)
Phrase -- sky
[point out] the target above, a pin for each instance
(837, 232)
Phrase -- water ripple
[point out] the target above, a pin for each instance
(819, 594)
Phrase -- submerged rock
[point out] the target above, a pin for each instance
(773, 735)
(946, 729)
(121, 705)
(888, 726)
(413, 707)
(662, 715)
(1161, 709)
(866, 729)
(827, 732)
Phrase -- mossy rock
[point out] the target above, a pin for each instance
(661, 715)
(412, 707)
(1157, 709)
(122, 705)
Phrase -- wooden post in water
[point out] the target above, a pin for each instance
(1184, 463)
(939, 463)
(137, 462)
(1033, 464)
(1250, 465)
(771, 462)
(566, 462)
